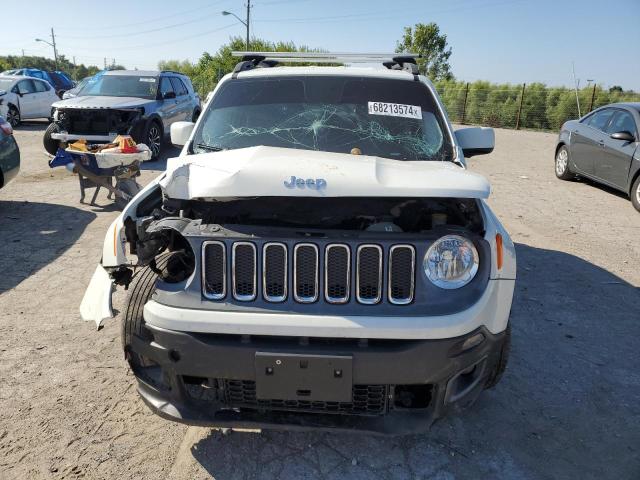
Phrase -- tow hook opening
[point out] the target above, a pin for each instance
(412, 396)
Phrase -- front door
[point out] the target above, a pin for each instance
(168, 106)
(587, 140)
(613, 166)
(184, 110)
(28, 101)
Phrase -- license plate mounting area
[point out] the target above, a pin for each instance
(286, 376)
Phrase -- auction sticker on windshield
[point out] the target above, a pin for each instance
(395, 110)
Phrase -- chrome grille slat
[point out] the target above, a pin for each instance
(402, 259)
(214, 270)
(274, 272)
(337, 273)
(369, 274)
(243, 271)
(305, 272)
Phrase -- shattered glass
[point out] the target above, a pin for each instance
(288, 114)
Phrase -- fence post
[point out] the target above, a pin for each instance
(464, 105)
(520, 107)
(593, 97)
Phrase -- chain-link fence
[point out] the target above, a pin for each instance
(533, 106)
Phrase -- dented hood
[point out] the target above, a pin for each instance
(278, 172)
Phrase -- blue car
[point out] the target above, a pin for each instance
(9, 154)
(59, 80)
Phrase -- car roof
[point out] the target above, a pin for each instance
(138, 73)
(17, 78)
(328, 71)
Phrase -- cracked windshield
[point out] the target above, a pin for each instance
(385, 118)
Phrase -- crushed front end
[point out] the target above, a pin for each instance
(98, 124)
(313, 312)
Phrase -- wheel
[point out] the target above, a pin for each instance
(196, 115)
(635, 194)
(51, 145)
(128, 186)
(153, 139)
(139, 293)
(563, 172)
(502, 362)
(13, 116)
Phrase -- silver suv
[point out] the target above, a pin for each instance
(139, 103)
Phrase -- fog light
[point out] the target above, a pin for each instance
(471, 342)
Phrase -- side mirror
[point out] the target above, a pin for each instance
(625, 136)
(169, 95)
(476, 140)
(180, 132)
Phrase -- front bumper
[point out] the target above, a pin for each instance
(399, 386)
(66, 137)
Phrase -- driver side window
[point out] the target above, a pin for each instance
(622, 122)
(26, 86)
(600, 119)
(165, 86)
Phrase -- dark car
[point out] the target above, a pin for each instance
(9, 154)
(603, 146)
(61, 82)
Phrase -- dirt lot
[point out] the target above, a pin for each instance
(568, 407)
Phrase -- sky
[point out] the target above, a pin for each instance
(504, 41)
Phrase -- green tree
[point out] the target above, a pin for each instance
(427, 41)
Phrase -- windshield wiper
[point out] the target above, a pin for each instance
(208, 148)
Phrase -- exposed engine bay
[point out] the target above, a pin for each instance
(161, 221)
(98, 121)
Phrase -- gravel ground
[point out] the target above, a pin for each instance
(568, 406)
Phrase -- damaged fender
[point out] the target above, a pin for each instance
(96, 304)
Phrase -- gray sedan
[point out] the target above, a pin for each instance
(603, 146)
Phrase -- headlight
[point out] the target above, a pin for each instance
(451, 262)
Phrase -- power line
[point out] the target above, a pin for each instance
(142, 32)
(149, 20)
(157, 44)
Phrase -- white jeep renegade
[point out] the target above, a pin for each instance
(318, 256)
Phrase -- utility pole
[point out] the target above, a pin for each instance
(55, 50)
(53, 44)
(576, 83)
(248, 15)
(105, 63)
(245, 23)
(593, 96)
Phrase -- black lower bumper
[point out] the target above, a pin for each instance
(399, 386)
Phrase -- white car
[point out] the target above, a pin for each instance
(25, 98)
(318, 256)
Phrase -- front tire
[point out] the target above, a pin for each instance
(13, 116)
(563, 172)
(153, 139)
(140, 291)
(51, 145)
(635, 194)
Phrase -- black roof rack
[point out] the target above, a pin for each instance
(393, 61)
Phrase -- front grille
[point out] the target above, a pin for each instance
(366, 400)
(282, 268)
(215, 265)
(369, 274)
(401, 274)
(274, 272)
(337, 272)
(244, 271)
(305, 272)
